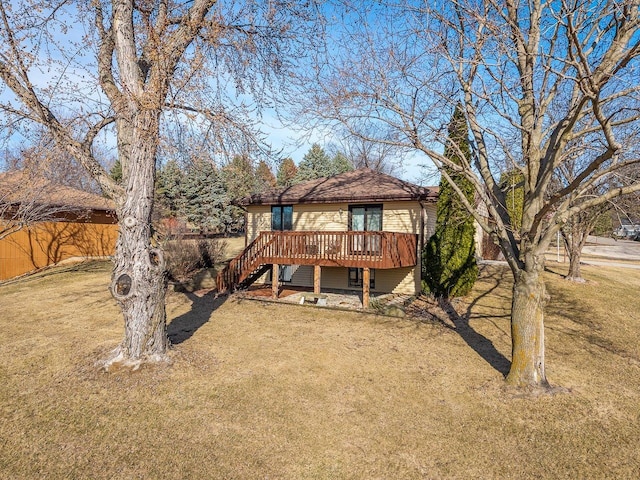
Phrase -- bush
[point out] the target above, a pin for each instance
(449, 266)
(186, 257)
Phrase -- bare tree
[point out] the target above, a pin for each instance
(386, 157)
(42, 158)
(134, 70)
(575, 234)
(533, 77)
(576, 230)
(28, 199)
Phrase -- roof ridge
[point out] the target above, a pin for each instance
(363, 184)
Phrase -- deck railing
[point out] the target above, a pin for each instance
(344, 249)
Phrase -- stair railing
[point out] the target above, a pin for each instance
(241, 266)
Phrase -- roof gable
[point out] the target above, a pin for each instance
(362, 185)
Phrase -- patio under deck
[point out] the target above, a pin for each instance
(366, 250)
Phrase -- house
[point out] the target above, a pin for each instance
(361, 230)
(627, 229)
(45, 223)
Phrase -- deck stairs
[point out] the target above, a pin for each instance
(245, 268)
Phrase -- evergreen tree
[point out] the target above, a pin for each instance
(239, 177)
(116, 171)
(286, 173)
(169, 189)
(511, 183)
(341, 164)
(264, 178)
(449, 267)
(239, 180)
(205, 202)
(315, 164)
(604, 225)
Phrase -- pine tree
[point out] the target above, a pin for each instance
(511, 183)
(265, 180)
(341, 164)
(206, 204)
(286, 173)
(239, 177)
(449, 267)
(169, 188)
(116, 171)
(315, 164)
(239, 180)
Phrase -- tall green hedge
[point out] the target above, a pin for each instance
(449, 266)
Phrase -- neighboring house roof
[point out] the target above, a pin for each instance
(18, 186)
(362, 185)
(625, 222)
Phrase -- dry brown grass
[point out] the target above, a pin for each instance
(262, 390)
(234, 245)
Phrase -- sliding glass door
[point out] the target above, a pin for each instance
(365, 218)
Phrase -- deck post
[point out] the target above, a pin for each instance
(366, 277)
(275, 274)
(316, 279)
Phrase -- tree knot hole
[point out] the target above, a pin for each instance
(156, 258)
(122, 286)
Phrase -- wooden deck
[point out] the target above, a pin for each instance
(380, 250)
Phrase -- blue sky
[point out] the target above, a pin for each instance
(291, 141)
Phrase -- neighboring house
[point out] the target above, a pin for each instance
(627, 229)
(67, 223)
(361, 230)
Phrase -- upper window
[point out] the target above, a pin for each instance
(281, 217)
(367, 218)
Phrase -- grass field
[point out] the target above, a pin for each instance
(263, 390)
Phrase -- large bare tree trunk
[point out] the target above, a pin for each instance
(139, 281)
(527, 329)
(575, 275)
(575, 241)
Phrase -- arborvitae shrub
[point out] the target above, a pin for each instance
(449, 266)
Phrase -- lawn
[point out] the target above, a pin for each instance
(264, 390)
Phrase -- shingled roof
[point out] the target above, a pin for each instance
(362, 185)
(16, 186)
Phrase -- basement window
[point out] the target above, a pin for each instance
(355, 277)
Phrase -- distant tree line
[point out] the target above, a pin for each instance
(200, 195)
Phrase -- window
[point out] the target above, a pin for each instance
(367, 218)
(281, 217)
(355, 277)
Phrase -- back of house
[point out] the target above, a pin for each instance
(331, 233)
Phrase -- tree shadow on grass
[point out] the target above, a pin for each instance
(183, 327)
(478, 342)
